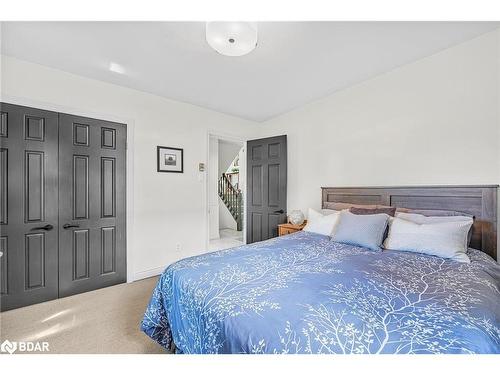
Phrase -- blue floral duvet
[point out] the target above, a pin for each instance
(303, 293)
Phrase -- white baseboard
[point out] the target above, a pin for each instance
(148, 273)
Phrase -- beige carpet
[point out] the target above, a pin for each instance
(103, 321)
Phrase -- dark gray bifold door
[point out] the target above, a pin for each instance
(92, 248)
(266, 187)
(28, 206)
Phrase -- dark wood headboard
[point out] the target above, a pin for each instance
(479, 201)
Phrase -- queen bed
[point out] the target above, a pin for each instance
(304, 293)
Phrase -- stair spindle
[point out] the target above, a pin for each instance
(232, 198)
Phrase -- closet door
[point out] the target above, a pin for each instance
(92, 246)
(28, 205)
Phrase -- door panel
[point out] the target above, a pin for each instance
(92, 248)
(108, 250)
(81, 256)
(35, 260)
(33, 186)
(4, 282)
(4, 160)
(80, 187)
(108, 187)
(28, 205)
(266, 187)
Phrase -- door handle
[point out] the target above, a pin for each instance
(67, 226)
(279, 212)
(45, 227)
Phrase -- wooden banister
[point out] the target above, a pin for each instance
(232, 198)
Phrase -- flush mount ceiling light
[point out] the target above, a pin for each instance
(232, 38)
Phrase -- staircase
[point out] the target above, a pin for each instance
(233, 199)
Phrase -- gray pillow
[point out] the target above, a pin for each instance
(361, 230)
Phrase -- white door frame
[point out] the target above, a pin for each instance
(130, 159)
(230, 138)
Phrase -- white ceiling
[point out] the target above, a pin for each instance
(293, 64)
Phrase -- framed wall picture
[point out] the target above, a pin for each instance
(170, 159)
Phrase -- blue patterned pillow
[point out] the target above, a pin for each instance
(361, 230)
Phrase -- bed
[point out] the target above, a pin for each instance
(303, 293)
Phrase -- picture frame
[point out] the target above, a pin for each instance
(169, 159)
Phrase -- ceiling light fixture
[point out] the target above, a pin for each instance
(232, 38)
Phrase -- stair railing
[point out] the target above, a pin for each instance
(232, 198)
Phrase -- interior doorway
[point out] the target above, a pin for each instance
(226, 192)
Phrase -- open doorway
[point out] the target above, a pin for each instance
(226, 189)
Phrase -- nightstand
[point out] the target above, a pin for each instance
(289, 228)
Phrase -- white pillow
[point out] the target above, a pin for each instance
(445, 240)
(321, 224)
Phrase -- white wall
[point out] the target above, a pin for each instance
(227, 153)
(435, 121)
(213, 196)
(168, 208)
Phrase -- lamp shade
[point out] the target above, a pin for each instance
(232, 38)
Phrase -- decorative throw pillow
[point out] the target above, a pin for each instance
(372, 211)
(339, 206)
(445, 239)
(361, 230)
(388, 210)
(319, 223)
